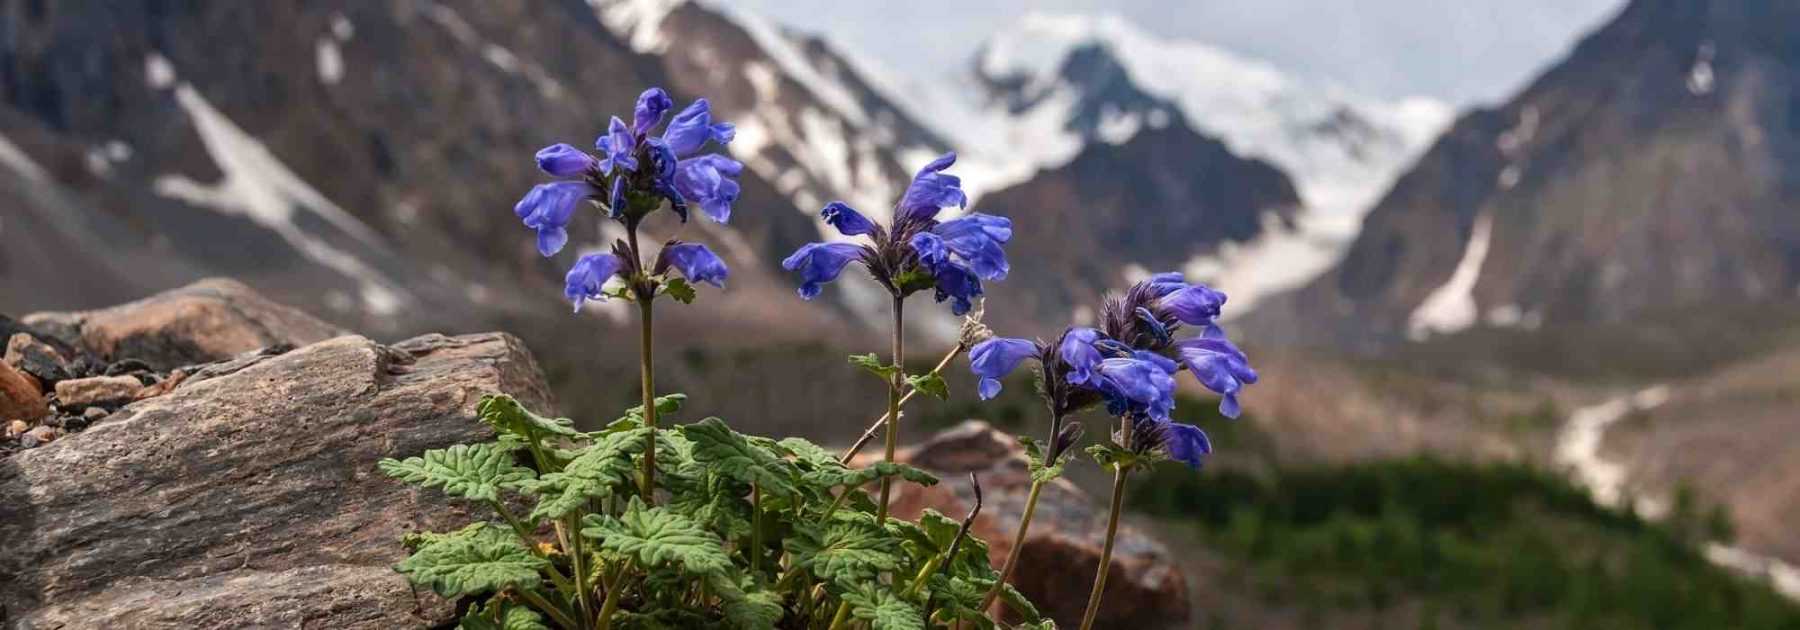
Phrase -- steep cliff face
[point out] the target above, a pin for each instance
(1652, 169)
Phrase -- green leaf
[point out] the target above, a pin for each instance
(634, 417)
(679, 289)
(1041, 471)
(843, 551)
(874, 365)
(808, 453)
(470, 471)
(594, 472)
(727, 453)
(753, 609)
(884, 610)
(1111, 456)
(658, 536)
(477, 559)
(500, 614)
(931, 384)
(959, 598)
(509, 417)
(853, 477)
(1019, 604)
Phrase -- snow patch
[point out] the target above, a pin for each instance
(341, 28)
(158, 72)
(118, 151)
(1784, 577)
(639, 22)
(1451, 307)
(329, 60)
(1578, 447)
(1700, 77)
(494, 54)
(18, 161)
(258, 186)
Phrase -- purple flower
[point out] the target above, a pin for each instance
(930, 250)
(711, 181)
(846, 219)
(618, 147)
(957, 283)
(1165, 283)
(696, 263)
(1194, 304)
(932, 190)
(691, 128)
(548, 208)
(588, 275)
(819, 263)
(651, 105)
(1079, 354)
(995, 358)
(1138, 385)
(1218, 365)
(562, 160)
(977, 238)
(1186, 443)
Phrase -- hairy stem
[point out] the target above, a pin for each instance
(646, 366)
(556, 612)
(756, 533)
(584, 592)
(893, 411)
(1112, 530)
(1018, 545)
(614, 593)
(875, 427)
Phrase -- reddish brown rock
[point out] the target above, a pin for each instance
(210, 320)
(250, 498)
(98, 391)
(1144, 588)
(21, 396)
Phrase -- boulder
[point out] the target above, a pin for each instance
(248, 495)
(1145, 589)
(21, 396)
(206, 321)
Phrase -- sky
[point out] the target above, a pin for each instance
(1463, 52)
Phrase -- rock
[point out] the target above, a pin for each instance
(1145, 589)
(21, 397)
(161, 387)
(16, 428)
(34, 357)
(93, 414)
(251, 498)
(39, 436)
(96, 390)
(209, 320)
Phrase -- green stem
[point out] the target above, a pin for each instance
(893, 410)
(875, 427)
(843, 613)
(556, 612)
(1112, 529)
(1018, 545)
(756, 532)
(562, 581)
(924, 573)
(584, 592)
(614, 593)
(646, 364)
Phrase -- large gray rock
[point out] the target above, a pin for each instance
(248, 496)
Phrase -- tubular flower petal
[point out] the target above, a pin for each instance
(1194, 304)
(1186, 443)
(932, 190)
(958, 284)
(930, 250)
(977, 239)
(651, 105)
(995, 358)
(710, 180)
(1078, 353)
(562, 160)
(1219, 366)
(548, 208)
(697, 263)
(846, 219)
(587, 277)
(819, 263)
(690, 129)
(618, 146)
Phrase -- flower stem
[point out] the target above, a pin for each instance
(893, 411)
(1018, 544)
(1112, 530)
(756, 533)
(613, 592)
(843, 613)
(583, 591)
(646, 367)
(876, 426)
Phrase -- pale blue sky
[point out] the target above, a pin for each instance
(1462, 52)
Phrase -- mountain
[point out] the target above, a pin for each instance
(1654, 170)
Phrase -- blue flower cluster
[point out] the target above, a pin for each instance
(1130, 365)
(917, 251)
(634, 175)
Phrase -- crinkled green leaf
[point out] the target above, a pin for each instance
(853, 477)
(665, 404)
(597, 471)
(471, 471)
(723, 514)
(1042, 471)
(506, 415)
(959, 598)
(807, 453)
(1111, 456)
(658, 536)
(477, 559)
(874, 365)
(931, 384)
(844, 551)
(729, 454)
(746, 607)
(679, 289)
(500, 614)
(884, 610)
